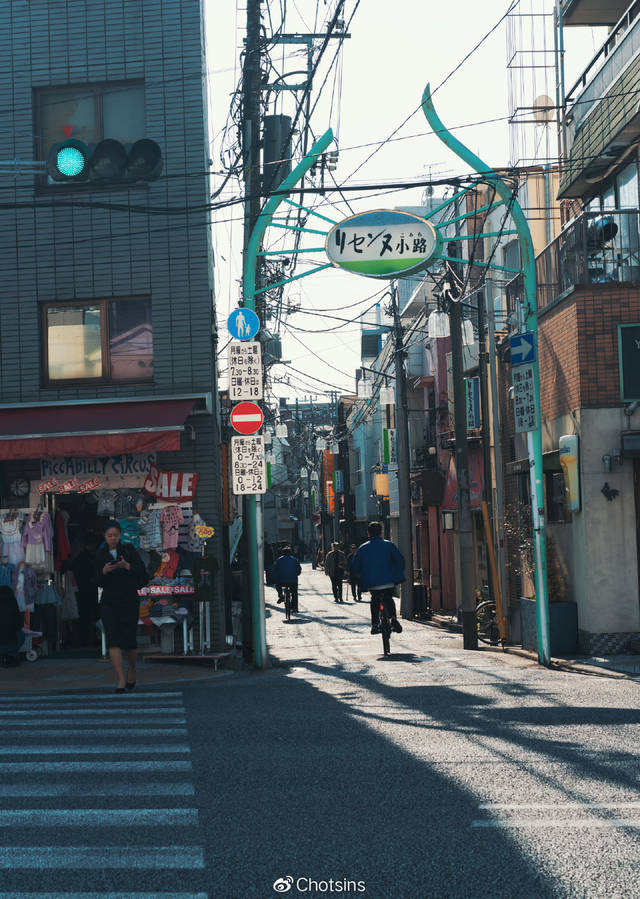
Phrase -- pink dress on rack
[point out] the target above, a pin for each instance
(37, 540)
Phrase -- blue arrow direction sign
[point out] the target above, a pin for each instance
(243, 324)
(523, 348)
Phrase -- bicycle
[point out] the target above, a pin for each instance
(487, 623)
(288, 600)
(384, 623)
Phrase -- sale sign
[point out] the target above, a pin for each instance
(173, 486)
(204, 531)
(69, 486)
(46, 486)
(91, 484)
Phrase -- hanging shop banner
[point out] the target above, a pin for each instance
(248, 465)
(389, 454)
(472, 398)
(104, 467)
(385, 243)
(245, 371)
(175, 486)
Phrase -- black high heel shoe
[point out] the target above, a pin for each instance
(131, 685)
(119, 689)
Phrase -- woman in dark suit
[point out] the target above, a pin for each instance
(120, 573)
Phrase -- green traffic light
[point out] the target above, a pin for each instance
(70, 161)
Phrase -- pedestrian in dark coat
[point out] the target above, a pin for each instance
(11, 622)
(335, 566)
(120, 572)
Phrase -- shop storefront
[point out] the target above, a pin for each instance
(55, 505)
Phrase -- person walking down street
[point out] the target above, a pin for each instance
(285, 573)
(354, 583)
(379, 566)
(335, 566)
(120, 572)
(11, 622)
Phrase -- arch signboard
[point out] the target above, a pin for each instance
(385, 243)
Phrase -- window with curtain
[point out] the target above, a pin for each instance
(104, 340)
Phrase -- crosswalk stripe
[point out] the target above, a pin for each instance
(98, 817)
(108, 732)
(58, 895)
(95, 858)
(31, 790)
(80, 749)
(105, 767)
(561, 822)
(21, 713)
(62, 725)
(82, 697)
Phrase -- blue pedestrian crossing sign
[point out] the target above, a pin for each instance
(243, 324)
(523, 348)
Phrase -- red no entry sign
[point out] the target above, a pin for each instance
(247, 418)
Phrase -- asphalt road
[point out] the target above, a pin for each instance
(433, 772)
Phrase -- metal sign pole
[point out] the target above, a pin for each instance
(534, 437)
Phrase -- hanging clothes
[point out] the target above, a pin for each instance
(63, 547)
(171, 519)
(69, 611)
(11, 532)
(37, 539)
(130, 531)
(150, 529)
(25, 586)
(7, 571)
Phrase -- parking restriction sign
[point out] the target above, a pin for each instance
(245, 371)
(524, 398)
(248, 465)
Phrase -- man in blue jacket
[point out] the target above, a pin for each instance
(378, 565)
(285, 573)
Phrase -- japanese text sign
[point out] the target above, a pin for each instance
(248, 465)
(524, 398)
(245, 371)
(387, 243)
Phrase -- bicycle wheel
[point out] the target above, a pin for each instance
(487, 624)
(287, 603)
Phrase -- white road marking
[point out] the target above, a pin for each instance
(95, 858)
(31, 789)
(90, 767)
(97, 817)
(81, 749)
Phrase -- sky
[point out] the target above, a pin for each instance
(395, 49)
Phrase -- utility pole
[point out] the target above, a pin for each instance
(252, 505)
(465, 533)
(407, 601)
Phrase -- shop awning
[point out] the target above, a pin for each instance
(450, 499)
(92, 429)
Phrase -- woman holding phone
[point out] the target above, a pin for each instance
(120, 572)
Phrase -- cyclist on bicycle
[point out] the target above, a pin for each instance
(285, 573)
(379, 565)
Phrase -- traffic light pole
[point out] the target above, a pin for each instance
(534, 438)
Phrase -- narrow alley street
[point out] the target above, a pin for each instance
(431, 773)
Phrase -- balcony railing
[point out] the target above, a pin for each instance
(621, 45)
(597, 248)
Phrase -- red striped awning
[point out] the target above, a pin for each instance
(92, 429)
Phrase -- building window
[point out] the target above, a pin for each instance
(102, 340)
(89, 113)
